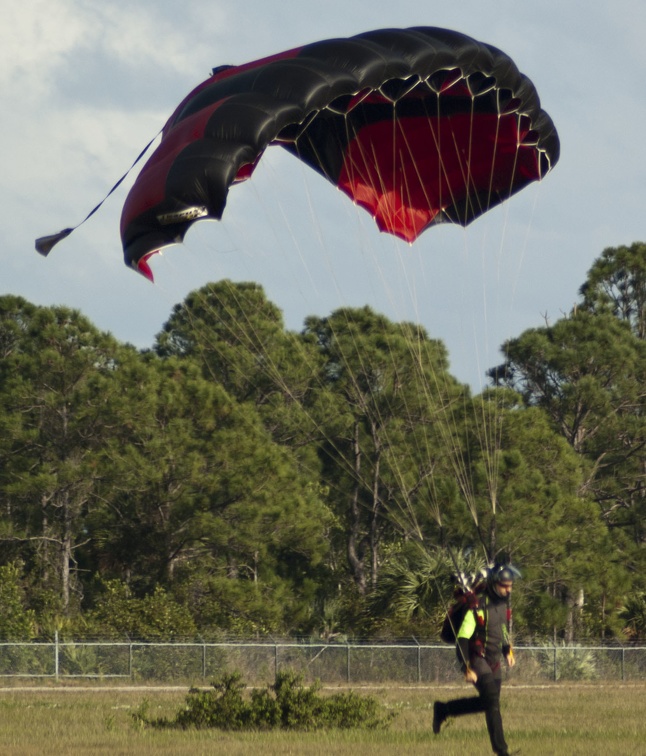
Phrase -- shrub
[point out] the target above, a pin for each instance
(284, 705)
(573, 662)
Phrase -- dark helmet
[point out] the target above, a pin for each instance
(503, 573)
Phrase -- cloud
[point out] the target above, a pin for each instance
(34, 38)
(104, 54)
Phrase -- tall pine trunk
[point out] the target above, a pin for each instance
(355, 557)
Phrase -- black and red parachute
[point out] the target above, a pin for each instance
(419, 126)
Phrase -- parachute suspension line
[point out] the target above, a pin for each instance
(463, 465)
(468, 179)
(355, 170)
(489, 442)
(446, 420)
(493, 428)
(408, 524)
(293, 236)
(452, 411)
(484, 434)
(405, 509)
(273, 371)
(253, 341)
(536, 188)
(465, 479)
(315, 224)
(270, 368)
(448, 426)
(492, 412)
(438, 392)
(402, 513)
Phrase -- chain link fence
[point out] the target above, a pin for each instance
(331, 663)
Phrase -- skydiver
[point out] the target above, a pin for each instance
(483, 641)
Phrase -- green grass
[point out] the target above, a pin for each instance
(605, 719)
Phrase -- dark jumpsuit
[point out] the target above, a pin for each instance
(483, 640)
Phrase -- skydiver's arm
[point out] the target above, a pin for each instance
(465, 633)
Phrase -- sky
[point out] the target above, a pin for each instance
(84, 86)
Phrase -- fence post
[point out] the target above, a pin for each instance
(56, 662)
(203, 660)
(130, 660)
(554, 668)
(347, 662)
(275, 661)
(623, 662)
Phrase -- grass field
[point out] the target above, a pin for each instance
(559, 720)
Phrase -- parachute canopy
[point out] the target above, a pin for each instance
(419, 126)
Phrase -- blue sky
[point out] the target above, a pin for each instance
(85, 85)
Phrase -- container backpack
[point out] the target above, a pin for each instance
(464, 600)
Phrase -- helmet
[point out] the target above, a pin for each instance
(503, 573)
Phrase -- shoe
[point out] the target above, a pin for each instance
(439, 715)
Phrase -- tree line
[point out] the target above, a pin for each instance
(240, 479)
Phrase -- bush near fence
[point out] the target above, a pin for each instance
(331, 663)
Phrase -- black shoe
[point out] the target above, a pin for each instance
(439, 715)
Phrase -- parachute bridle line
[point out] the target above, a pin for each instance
(45, 244)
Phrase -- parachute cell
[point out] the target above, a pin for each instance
(419, 126)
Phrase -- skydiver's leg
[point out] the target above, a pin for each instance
(458, 707)
(461, 706)
(488, 687)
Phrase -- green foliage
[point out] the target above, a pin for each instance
(389, 386)
(415, 589)
(286, 704)
(616, 283)
(243, 479)
(17, 622)
(587, 371)
(633, 614)
(119, 615)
